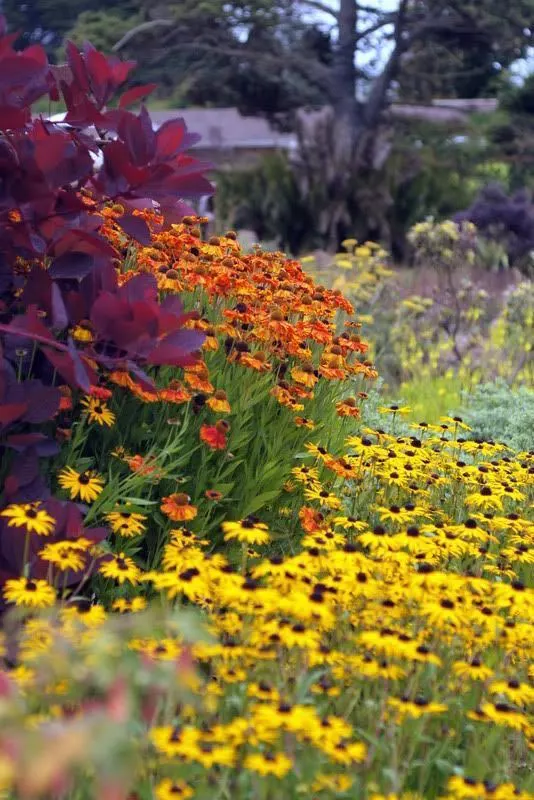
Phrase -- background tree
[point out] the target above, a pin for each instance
(275, 57)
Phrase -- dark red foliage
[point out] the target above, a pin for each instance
(56, 270)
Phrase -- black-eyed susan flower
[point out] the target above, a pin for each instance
(306, 474)
(395, 513)
(462, 788)
(322, 496)
(86, 485)
(345, 752)
(277, 764)
(455, 422)
(126, 523)
(63, 556)
(474, 669)
(486, 498)
(84, 612)
(318, 451)
(169, 789)
(30, 516)
(29, 593)
(350, 523)
(418, 707)
(516, 691)
(129, 606)
(395, 410)
(98, 411)
(249, 531)
(338, 784)
(174, 741)
(120, 568)
(505, 714)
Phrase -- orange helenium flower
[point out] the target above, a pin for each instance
(178, 508)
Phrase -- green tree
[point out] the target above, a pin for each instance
(48, 21)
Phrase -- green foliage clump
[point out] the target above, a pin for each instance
(496, 411)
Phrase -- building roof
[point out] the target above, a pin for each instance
(226, 128)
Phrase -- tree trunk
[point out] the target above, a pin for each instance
(344, 72)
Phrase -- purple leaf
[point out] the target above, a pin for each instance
(43, 401)
(70, 366)
(74, 266)
(135, 227)
(137, 93)
(177, 348)
(60, 318)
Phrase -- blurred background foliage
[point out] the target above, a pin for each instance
(466, 312)
(276, 57)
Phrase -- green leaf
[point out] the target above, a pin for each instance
(260, 500)
(138, 501)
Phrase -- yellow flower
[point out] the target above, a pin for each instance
(332, 783)
(85, 485)
(475, 670)
(416, 708)
(173, 790)
(126, 523)
(132, 606)
(98, 411)
(504, 714)
(29, 593)
(276, 764)
(30, 516)
(121, 568)
(249, 530)
(395, 409)
(82, 333)
(323, 497)
(63, 555)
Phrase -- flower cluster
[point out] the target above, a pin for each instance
(400, 619)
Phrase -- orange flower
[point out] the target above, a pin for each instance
(348, 408)
(333, 358)
(143, 394)
(341, 467)
(174, 393)
(219, 402)
(65, 401)
(215, 435)
(304, 374)
(213, 495)
(142, 466)
(311, 519)
(178, 507)
(304, 422)
(100, 392)
(256, 361)
(210, 342)
(198, 384)
(121, 378)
